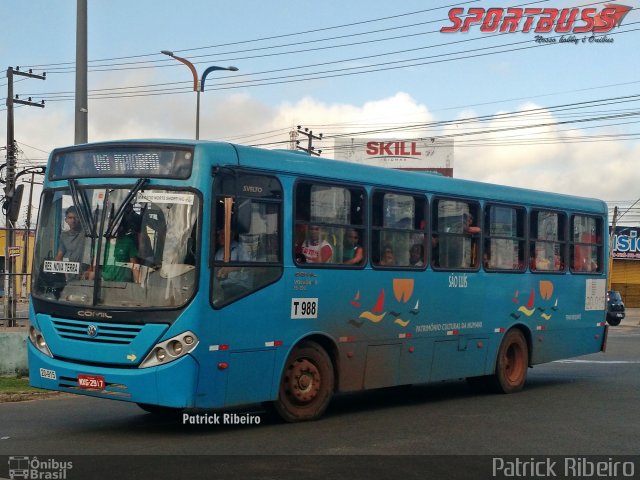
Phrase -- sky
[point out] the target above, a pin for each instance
(522, 109)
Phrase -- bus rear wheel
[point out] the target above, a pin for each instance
(306, 385)
(512, 363)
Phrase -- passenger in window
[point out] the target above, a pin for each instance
(587, 265)
(435, 250)
(486, 259)
(220, 241)
(469, 227)
(314, 249)
(416, 255)
(143, 242)
(387, 259)
(541, 263)
(353, 253)
(233, 280)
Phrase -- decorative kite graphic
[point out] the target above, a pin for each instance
(402, 292)
(545, 289)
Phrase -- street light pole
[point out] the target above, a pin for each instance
(198, 115)
(198, 85)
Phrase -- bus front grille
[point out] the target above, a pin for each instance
(96, 332)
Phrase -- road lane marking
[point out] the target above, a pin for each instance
(597, 361)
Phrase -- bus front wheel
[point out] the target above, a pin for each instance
(512, 363)
(306, 385)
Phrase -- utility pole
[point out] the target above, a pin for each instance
(293, 135)
(310, 137)
(27, 236)
(10, 188)
(82, 107)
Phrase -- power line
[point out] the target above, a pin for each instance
(272, 37)
(341, 72)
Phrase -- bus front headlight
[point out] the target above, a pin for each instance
(38, 341)
(170, 350)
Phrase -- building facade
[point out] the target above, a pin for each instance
(22, 253)
(625, 271)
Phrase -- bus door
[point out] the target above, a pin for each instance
(246, 255)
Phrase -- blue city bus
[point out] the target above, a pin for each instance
(182, 274)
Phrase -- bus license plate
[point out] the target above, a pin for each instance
(91, 381)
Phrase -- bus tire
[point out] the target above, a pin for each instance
(512, 363)
(306, 385)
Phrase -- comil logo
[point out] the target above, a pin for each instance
(537, 20)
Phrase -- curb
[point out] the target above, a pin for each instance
(24, 397)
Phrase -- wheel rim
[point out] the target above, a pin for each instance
(303, 381)
(513, 362)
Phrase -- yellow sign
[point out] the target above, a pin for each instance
(15, 251)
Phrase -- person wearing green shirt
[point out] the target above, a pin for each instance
(120, 260)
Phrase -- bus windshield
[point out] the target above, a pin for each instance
(117, 247)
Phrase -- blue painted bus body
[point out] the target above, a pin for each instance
(435, 325)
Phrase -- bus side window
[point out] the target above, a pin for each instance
(547, 233)
(329, 225)
(246, 255)
(586, 244)
(504, 244)
(455, 241)
(398, 229)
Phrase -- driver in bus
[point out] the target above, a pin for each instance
(121, 256)
(71, 247)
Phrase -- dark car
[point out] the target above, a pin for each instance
(615, 308)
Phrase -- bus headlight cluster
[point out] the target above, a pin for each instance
(170, 350)
(38, 341)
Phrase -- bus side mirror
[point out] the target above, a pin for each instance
(14, 204)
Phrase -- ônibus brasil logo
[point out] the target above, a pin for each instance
(539, 20)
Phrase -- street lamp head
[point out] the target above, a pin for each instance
(212, 69)
(167, 52)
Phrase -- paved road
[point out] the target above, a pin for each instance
(585, 406)
(579, 407)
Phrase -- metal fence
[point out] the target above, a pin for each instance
(16, 251)
(15, 308)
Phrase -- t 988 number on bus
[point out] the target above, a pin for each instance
(304, 308)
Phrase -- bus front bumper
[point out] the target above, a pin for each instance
(170, 385)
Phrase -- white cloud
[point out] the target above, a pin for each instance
(549, 158)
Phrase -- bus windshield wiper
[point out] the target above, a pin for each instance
(81, 202)
(114, 220)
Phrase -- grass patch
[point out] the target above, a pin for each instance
(12, 385)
